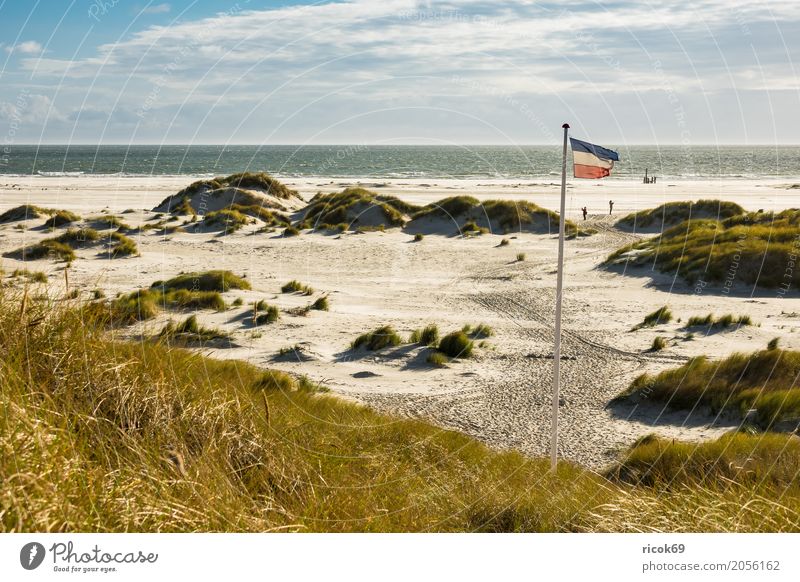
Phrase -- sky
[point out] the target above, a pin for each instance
(399, 71)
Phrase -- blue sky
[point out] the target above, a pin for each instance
(398, 71)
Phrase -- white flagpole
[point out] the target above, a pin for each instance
(559, 286)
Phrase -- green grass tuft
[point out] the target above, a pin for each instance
(61, 218)
(220, 281)
(269, 315)
(295, 286)
(456, 345)
(321, 304)
(438, 359)
(378, 339)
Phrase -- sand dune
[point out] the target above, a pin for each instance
(501, 395)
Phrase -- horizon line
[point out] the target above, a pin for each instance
(558, 145)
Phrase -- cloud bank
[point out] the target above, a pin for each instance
(430, 72)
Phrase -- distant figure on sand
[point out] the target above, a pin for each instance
(585, 212)
(610, 207)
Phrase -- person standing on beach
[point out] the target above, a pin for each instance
(610, 207)
(585, 212)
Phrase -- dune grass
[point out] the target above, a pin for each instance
(722, 322)
(61, 247)
(110, 222)
(657, 317)
(144, 304)
(754, 249)
(216, 280)
(355, 206)
(760, 460)
(160, 439)
(659, 343)
(244, 180)
(321, 304)
(493, 215)
(427, 336)
(438, 359)
(190, 332)
(165, 440)
(227, 219)
(765, 381)
(673, 213)
(26, 212)
(456, 345)
(122, 246)
(377, 339)
(268, 314)
(295, 286)
(35, 276)
(61, 218)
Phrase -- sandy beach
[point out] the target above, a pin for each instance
(502, 395)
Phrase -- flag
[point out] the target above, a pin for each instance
(591, 161)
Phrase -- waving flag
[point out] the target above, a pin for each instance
(591, 161)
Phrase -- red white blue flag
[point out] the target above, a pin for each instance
(591, 161)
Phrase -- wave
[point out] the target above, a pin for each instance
(57, 174)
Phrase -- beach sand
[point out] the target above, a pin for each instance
(502, 395)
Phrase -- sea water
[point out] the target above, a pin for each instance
(397, 162)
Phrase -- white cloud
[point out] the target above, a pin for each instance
(157, 9)
(360, 54)
(29, 47)
(30, 108)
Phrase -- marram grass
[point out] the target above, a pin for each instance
(102, 435)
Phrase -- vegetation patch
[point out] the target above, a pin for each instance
(657, 317)
(760, 461)
(269, 314)
(61, 218)
(160, 431)
(357, 207)
(295, 286)
(753, 249)
(25, 212)
(217, 280)
(190, 332)
(245, 189)
(673, 213)
(61, 247)
(438, 359)
(378, 339)
(499, 216)
(321, 304)
(765, 381)
(456, 345)
(722, 322)
(35, 276)
(427, 336)
(122, 246)
(106, 222)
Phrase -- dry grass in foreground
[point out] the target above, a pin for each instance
(101, 435)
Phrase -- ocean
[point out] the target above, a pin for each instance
(393, 162)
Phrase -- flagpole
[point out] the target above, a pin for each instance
(559, 287)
